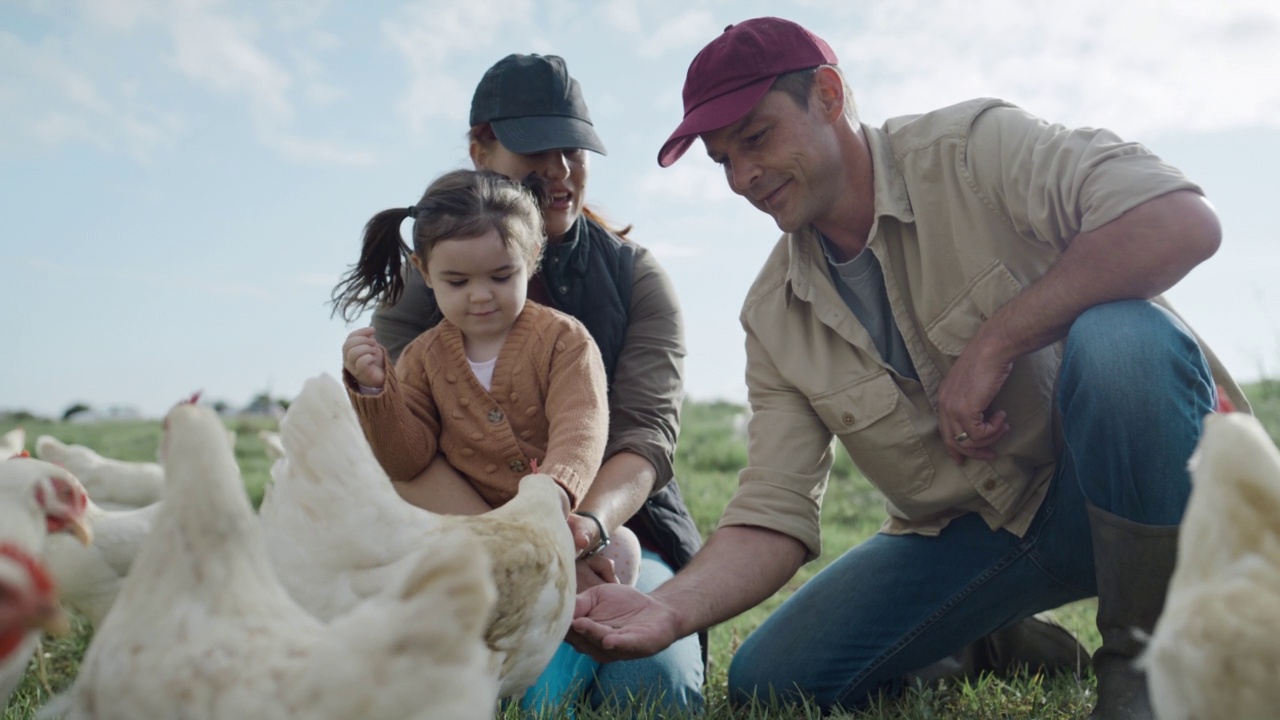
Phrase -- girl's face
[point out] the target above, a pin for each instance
(480, 286)
(565, 172)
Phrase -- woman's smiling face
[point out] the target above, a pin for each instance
(565, 172)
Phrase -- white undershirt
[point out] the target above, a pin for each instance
(483, 371)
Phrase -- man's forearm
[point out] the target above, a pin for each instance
(1136, 256)
(738, 568)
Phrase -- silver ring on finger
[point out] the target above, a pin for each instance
(962, 436)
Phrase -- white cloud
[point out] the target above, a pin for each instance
(623, 15)
(117, 14)
(1139, 67)
(429, 34)
(62, 102)
(691, 29)
(313, 151)
(222, 51)
(691, 181)
(71, 93)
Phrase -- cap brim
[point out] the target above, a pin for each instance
(713, 114)
(539, 133)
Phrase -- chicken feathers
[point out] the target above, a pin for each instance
(1215, 651)
(203, 630)
(337, 531)
(109, 481)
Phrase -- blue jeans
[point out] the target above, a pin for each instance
(1133, 390)
(671, 678)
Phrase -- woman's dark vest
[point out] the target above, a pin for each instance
(589, 276)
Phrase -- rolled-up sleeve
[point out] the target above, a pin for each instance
(648, 379)
(1052, 182)
(790, 452)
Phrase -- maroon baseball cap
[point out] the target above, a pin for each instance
(734, 71)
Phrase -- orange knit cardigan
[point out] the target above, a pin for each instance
(547, 402)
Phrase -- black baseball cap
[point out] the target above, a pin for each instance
(533, 105)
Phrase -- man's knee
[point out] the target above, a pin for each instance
(1123, 337)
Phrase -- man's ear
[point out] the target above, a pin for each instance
(828, 92)
(421, 267)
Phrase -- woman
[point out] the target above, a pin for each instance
(528, 117)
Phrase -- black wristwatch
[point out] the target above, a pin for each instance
(604, 534)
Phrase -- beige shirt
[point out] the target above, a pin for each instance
(972, 203)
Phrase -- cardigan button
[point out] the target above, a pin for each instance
(464, 401)
(495, 416)
(848, 418)
(468, 452)
(490, 468)
(517, 466)
(989, 485)
(564, 289)
(451, 377)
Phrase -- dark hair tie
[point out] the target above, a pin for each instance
(411, 211)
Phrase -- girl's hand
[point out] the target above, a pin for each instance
(364, 358)
(595, 570)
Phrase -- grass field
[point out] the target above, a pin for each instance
(707, 463)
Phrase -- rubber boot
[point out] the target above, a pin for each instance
(1133, 563)
(1035, 644)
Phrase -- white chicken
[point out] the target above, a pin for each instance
(271, 444)
(109, 481)
(337, 532)
(89, 578)
(1215, 651)
(35, 498)
(12, 443)
(203, 630)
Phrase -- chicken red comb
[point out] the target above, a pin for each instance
(39, 576)
(193, 400)
(1224, 403)
(20, 454)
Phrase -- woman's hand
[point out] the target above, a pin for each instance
(596, 569)
(585, 532)
(364, 358)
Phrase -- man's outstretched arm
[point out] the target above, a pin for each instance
(739, 568)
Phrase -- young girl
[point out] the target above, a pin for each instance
(500, 383)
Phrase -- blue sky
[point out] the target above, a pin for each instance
(184, 181)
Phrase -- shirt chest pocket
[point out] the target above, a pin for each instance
(958, 323)
(873, 422)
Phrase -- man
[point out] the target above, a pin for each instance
(968, 301)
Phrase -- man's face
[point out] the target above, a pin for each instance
(782, 158)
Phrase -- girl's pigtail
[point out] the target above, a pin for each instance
(376, 276)
(537, 187)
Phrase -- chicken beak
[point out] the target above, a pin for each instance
(81, 530)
